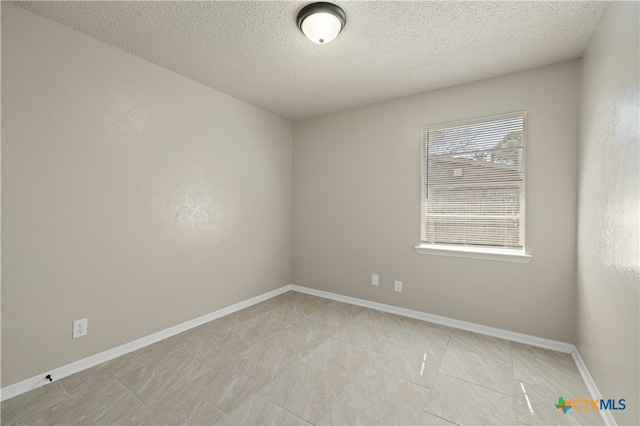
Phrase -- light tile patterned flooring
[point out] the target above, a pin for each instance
(298, 359)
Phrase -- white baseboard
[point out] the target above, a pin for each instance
(69, 369)
(606, 415)
(476, 328)
(449, 322)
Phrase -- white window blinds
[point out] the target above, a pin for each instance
(473, 183)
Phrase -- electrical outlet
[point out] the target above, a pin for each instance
(374, 279)
(398, 286)
(80, 328)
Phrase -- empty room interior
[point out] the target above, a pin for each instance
(217, 213)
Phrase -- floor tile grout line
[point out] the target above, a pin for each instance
(356, 377)
(258, 394)
(528, 383)
(224, 413)
(337, 398)
(475, 354)
(484, 354)
(240, 353)
(143, 407)
(560, 370)
(424, 406)
(64, 388)
(17, 421)
(128, 390)
(330, 337)
(266, 338)
(513, 375)
(476, 384)
(202, 399)
(422, 410)
(87, 389)
(249, 348)
(394, 376)
(440, 417)
(443, 355)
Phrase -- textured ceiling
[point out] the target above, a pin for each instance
(255, 52)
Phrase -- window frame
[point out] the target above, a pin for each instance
(518, 255)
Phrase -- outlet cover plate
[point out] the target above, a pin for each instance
(398, 286)
(80, 328)
(375, 279)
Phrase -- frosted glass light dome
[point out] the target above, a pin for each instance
(321, 22)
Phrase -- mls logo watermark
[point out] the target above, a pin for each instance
(590, 404)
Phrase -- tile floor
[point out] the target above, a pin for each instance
(298, 359)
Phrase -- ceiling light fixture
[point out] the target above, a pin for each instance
(321, 22)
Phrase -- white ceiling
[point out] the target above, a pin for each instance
(253, 50)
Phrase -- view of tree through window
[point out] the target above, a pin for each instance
(473, 183)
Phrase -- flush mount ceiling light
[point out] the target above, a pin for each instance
(321, 22)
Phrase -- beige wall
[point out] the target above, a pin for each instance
(356, 180)
(607, 326)
(130, 195)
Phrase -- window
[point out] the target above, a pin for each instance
(473, 188)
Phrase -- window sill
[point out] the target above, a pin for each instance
(505, 255)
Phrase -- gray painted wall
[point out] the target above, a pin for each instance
(131, 196)
(607, 325)
(356, 205)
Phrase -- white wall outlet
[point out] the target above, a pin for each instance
(398, 286)
(80, 328)
(374, 279)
